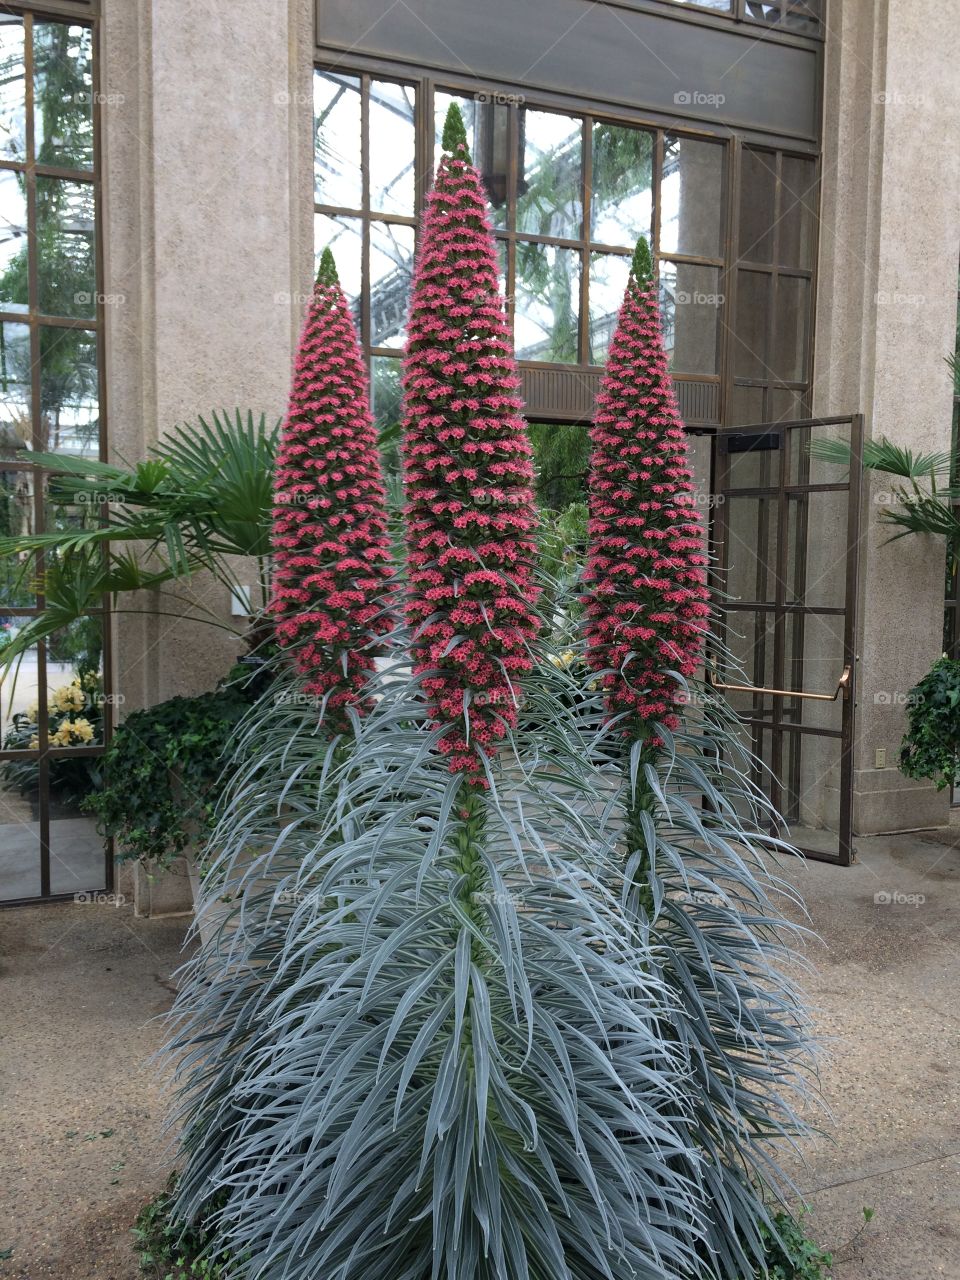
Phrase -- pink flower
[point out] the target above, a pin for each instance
(646, 595)
(331, 550)
(470, 543)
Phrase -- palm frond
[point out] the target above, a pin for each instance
(885, 456)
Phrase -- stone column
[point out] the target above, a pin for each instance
(889, 244)
(207, 153)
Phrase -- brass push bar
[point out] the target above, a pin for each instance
(842, 685)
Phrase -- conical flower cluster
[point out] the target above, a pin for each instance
(468, 474)
(330, 540)
(647, 600)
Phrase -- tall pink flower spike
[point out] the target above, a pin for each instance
(646, 595)
(468, 474)
(331, 549)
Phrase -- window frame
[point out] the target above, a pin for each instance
(78, 13)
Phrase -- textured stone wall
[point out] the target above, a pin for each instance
(890, 238)
(207, 227)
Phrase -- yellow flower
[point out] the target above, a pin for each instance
(34, 743)
(69, 697)
(82, 729)
(91, 681)
(32, 712)
(70, 731)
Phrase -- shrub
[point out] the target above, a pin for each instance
(162, 772)
(931, 745)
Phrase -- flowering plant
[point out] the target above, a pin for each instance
(330, 538)
(647, 601)
(463, 1020)
(468, 476)
(74, 719)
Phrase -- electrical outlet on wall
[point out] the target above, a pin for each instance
(880, 758)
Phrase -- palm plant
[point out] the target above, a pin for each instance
(435, 1037)
(201, 499)
(926, 503)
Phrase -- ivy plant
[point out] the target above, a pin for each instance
(931, 745)
(162, 771)
(168, 1248)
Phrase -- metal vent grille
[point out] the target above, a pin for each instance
(699, 401)
(563, 394)
(567, 395)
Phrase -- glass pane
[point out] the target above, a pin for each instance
(817, 550)
(337, 174)
(562, 460)
(752, 326)
(691, 197)
(690, 302)
(751, 554)
(546, 323)
(69, 398)
(798, 212)
(12, 84)
(14, 294)
(344, 236)
(745, 406)
(63, 94)
(392, 147)
(802, 16)
(805, 469)
(609, 273)
(813, 664)
(487, 121)
(812, 790)
(386, 401)
(391, 271)
(750, 640)
(77, 862)
(19, 799)
(549, 202)
(16, 431)
(75, 706)
(757, 200)
(786, 405)
(789, 359)
(753, 460)
(503, 254)
(16, 521)
(622, 198)
(66, 248)
(723, 6)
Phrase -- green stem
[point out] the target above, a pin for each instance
(643, 800)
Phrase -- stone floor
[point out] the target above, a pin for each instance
(887, 988)
(81, 988)
(80, 1107)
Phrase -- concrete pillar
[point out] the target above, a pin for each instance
(889, 244)
(207, 152)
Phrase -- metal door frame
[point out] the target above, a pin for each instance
(781, 607)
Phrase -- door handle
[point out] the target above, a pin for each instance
(843, 685)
